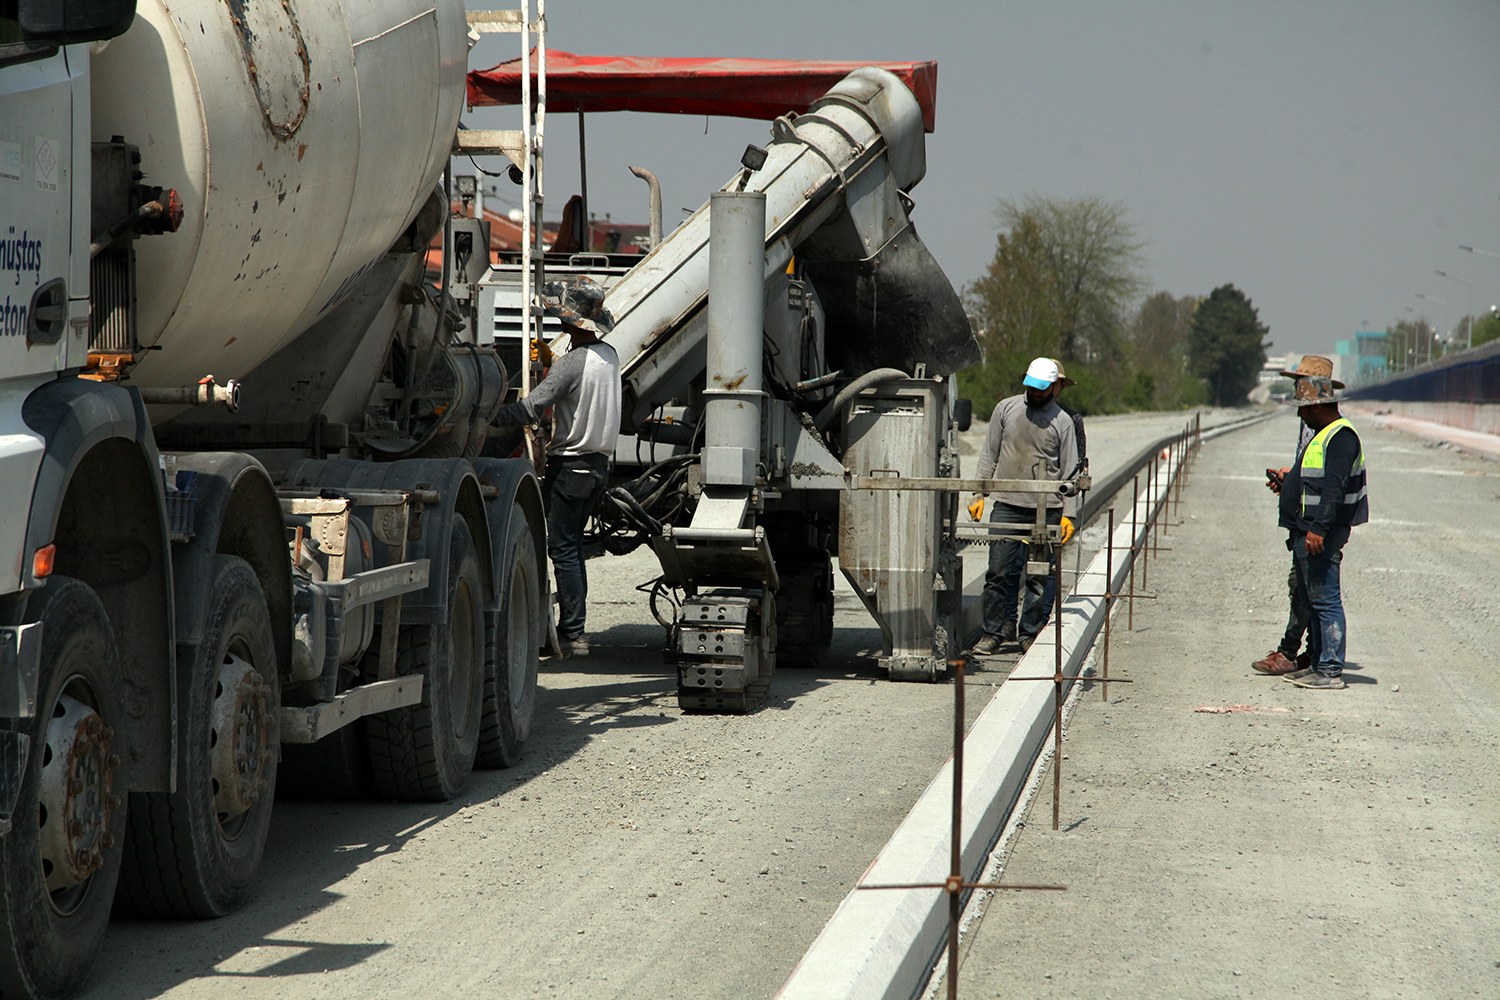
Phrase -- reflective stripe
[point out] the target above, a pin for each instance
(1356, 497)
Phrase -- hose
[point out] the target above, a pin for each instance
(871, 378)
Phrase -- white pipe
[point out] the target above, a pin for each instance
(736, 325)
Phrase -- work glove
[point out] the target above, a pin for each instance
(976, 509)
(1067, 530)
(541, 352)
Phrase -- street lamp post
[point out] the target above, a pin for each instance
(1444, 304)
(1469, 317)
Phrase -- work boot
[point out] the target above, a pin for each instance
(987, 646)
(1008, 632)
(1275, 662)
(1320, 682)
(1026, 641)
(576, 646)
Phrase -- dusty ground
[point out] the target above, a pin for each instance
(1309, 844)
(635, 852)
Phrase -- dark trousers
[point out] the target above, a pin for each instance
(1002, 581)
(574, 485)
(1297, 615)
(1326, 638)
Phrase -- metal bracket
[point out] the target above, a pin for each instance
(312, 723)
(20, 664)
(379, 584)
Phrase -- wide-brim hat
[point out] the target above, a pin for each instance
(1312, 390)
(1313, 364)
(1062, 380)
(578, 302)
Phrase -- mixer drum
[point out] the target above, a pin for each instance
(302, 135)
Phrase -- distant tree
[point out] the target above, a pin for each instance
(1015, 304)
(1094, 255)
(1486, 329)
(1226, 345)
(1060, 285)
(1158, 341)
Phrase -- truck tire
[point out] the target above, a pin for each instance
(337, 767)
(62, 858)
(511, 661)
(194, 852)
(424, 752)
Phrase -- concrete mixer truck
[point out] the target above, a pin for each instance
(255, 537)
(210, 597)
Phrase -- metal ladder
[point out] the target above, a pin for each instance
(522, 147)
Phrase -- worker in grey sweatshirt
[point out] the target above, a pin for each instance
(1030, 437)
(583, 390)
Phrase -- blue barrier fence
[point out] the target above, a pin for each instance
(1466, 377)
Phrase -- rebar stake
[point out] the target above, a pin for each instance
(1109, 595)
(1057, 682)
(1134, 506)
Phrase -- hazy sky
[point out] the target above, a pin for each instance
(1324, 157)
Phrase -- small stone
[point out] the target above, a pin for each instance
(766, 870)
(1395, 687)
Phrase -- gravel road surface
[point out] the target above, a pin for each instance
(634, 853)
(1292, 843)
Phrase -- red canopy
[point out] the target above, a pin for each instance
(739, 88)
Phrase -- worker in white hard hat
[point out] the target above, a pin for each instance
(1030, 437)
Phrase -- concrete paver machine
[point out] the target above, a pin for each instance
(791, 337)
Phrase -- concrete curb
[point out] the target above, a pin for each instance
(882, 944)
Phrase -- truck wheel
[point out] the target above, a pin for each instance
(337, 767)
(511, 660)
(424, 752)
(61, 859)
(194, 852)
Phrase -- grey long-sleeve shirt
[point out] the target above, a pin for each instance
(583, 388)
(1023, 443)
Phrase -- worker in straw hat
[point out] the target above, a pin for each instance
(1322, 497)
(1286, 658)
(583, 390)
(1029, 437)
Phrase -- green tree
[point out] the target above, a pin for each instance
(1486, 328)
(1226, 345)
(1060, 285)
(1158, 340)
(1094, 256)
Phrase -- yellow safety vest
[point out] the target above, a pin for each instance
(1310, 468)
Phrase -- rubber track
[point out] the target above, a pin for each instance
(157, 867)
(402, 752)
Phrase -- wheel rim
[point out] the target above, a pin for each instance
(461, 680)
(239, 739)
(519, 640)
(77, 800)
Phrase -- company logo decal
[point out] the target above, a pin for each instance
(21, 255)
(10, 161)
(45, 162)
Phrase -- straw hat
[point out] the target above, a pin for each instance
(1314, 389)
(1062, 380)
(1312, 364)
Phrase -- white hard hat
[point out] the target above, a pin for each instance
(1041, 374)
